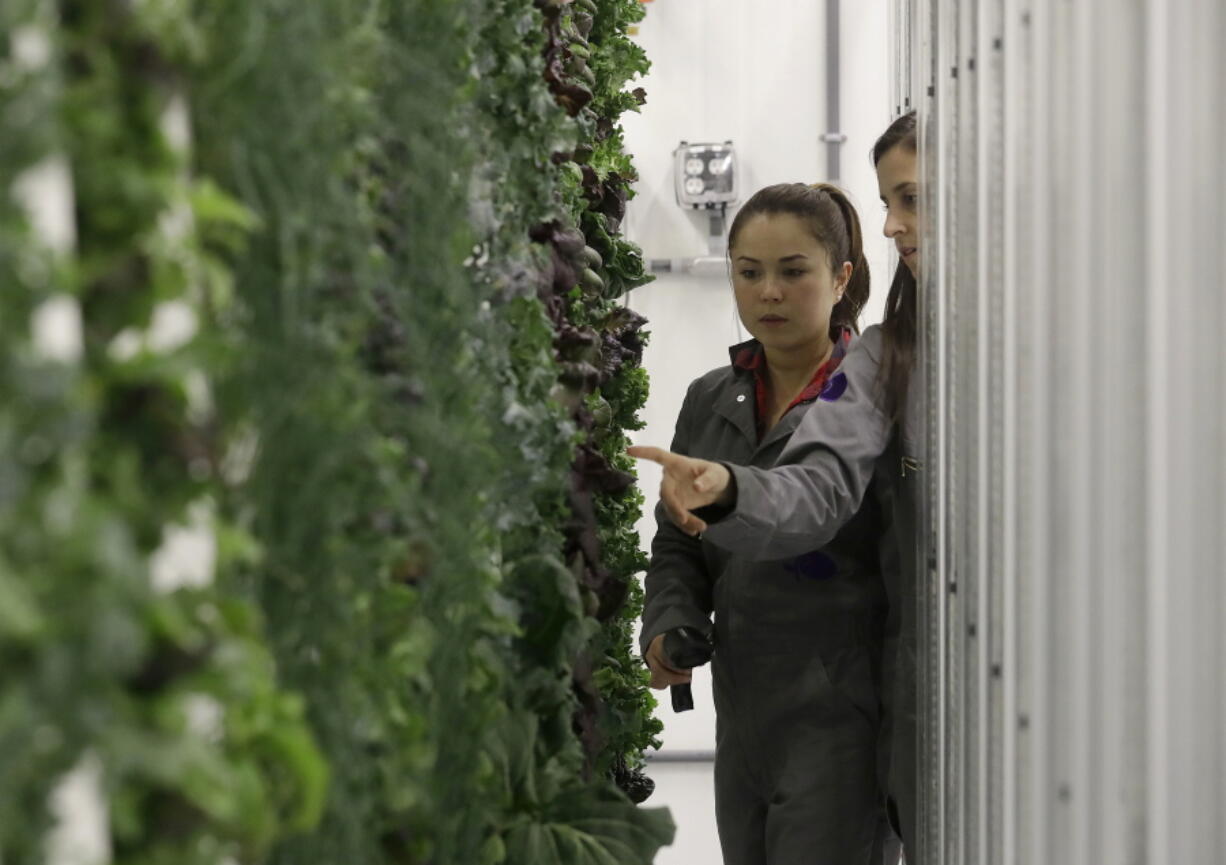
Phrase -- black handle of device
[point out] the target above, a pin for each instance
(685, 649)
(683, 697)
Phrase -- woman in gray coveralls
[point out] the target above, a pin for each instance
(798, 638)
(861, 447)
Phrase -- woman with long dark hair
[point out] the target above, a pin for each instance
(861, 442)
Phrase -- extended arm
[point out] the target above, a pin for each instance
(814, 489)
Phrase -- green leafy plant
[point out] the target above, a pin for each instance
(398, 417)
(170, 693)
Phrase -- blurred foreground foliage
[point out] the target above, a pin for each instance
(318, 533)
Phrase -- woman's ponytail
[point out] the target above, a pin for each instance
(846, 313)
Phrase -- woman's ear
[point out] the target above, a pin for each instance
(841, 278)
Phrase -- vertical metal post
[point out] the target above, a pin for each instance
(833, 138)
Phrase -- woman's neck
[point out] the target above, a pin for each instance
(789, 372)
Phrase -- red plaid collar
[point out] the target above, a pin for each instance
(750, 356)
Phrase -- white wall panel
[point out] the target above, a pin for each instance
(753, 73)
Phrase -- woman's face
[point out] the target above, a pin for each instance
(897, 176)
(783, 282)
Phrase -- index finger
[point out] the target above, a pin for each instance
(646, 452)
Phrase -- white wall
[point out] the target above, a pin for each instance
(751, 71)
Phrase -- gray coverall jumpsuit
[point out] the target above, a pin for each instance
(798, 643)
(836, 457)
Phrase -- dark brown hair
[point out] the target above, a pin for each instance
(836, 226)
(899, 326)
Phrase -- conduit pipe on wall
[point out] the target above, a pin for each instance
(833, 137)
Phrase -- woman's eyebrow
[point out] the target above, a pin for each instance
(793, 257)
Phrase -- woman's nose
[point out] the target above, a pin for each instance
(892, 226)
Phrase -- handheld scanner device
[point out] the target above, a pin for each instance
(685, 649)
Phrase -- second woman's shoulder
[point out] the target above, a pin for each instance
(870, 340)
(865, 351)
